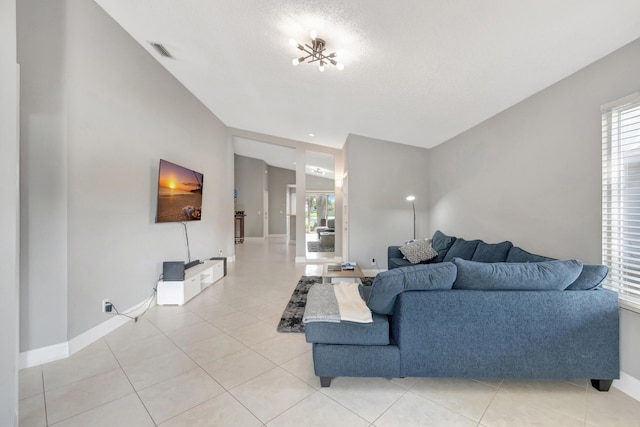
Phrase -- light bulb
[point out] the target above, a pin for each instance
(295, 61)
(293, 43)
(321, 68)
(340, 66)
(313, 34)
(411, 198)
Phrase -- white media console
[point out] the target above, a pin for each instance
(196, 279)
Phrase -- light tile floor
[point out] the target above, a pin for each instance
(218, 361)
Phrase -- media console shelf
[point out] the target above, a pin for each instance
(196, 279)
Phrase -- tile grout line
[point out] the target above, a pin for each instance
(44, 398)
(495, 393)
(130, 383)
(406, 390)
(199, 366)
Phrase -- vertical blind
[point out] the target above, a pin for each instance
(621, 196)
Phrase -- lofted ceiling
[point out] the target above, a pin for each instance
(319, 164)
(417, 72)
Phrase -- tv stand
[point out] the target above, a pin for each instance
(196, 279)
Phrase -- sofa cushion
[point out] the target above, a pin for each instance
(441, 243)
(517, 254)
(462, 249)
(492, 252)
(389, 284)
(418, 251)
(376, 333)
(528, 276)
(592, 276)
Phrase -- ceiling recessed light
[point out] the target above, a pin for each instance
(311, 135)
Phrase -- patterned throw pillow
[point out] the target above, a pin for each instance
(418, 251)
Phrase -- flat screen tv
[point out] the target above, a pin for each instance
(179, 193)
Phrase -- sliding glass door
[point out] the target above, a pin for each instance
(320, 215)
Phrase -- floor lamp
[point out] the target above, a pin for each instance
(411, 199)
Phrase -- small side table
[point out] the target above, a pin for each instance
(239, 226)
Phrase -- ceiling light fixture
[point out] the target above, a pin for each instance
(315, 53)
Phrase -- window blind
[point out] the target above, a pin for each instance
(621, 197)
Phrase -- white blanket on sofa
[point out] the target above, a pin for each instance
(336, 303)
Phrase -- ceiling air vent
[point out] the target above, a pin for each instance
(161, 50)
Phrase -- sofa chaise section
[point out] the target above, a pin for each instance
(450, 318)
(508, 334)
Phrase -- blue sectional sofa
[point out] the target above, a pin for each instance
(506, 314)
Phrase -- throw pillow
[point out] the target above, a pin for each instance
(492, 252)
(389, 284)
(441, 243)
(462, 249)
(528, 276)
(418, 251)
(517, 254)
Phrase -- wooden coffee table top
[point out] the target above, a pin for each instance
(355, 273)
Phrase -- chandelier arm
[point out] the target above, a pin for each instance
(307, 57)
(320, 58)
(315, 53)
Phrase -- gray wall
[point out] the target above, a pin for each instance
(95, 123)
(43, 168)
(278, 179)
(8, 216)
(381, 174)
(250, 183)
(532, 174)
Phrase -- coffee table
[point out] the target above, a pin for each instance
(334, 271)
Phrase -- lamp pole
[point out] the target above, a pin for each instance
(411, 199)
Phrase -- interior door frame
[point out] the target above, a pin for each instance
(265, 213)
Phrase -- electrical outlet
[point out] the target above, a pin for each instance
(373, 261)
(106, 302)
(220, 252)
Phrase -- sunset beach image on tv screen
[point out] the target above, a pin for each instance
(179, 193)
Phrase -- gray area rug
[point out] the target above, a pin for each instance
(291, 320)
(314, 246)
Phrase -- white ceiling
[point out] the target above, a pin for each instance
(320, 164)
(416, 72)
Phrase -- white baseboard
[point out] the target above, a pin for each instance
(94, 334)
(628, 385)
(42, 355)
(39, 356)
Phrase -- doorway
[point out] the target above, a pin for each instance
(320, 216)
